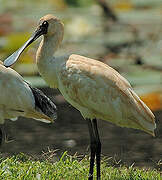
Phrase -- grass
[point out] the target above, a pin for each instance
(25, 167)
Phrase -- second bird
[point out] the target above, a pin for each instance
(18, 98)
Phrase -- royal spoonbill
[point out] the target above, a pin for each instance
(94, 88)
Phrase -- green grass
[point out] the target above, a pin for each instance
(25, 167)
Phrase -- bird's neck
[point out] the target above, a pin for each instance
(45, 60)
(46, 50)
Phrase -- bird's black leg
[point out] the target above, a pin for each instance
(2, 134)
(92, 147)
(98, 148)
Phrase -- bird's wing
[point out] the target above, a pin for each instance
(44, 105)
(93, 85)
(15, 93)
(17, 98)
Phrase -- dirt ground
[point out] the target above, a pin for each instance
(70, 133)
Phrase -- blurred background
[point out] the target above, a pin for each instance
(127, 35)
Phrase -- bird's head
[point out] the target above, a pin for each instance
(49, 26)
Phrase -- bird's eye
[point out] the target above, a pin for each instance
(45, 24)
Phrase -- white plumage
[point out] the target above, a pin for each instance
(18, 98)
(99, 91)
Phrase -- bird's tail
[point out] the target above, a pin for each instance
(45, 109)
(147, 117)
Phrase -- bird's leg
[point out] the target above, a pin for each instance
(2, 134)
(98, 148)
(92, 147)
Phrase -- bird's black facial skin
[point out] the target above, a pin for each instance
(45, 25)
(42, 29)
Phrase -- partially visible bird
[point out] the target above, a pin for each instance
(92, 87)
(18, 98)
